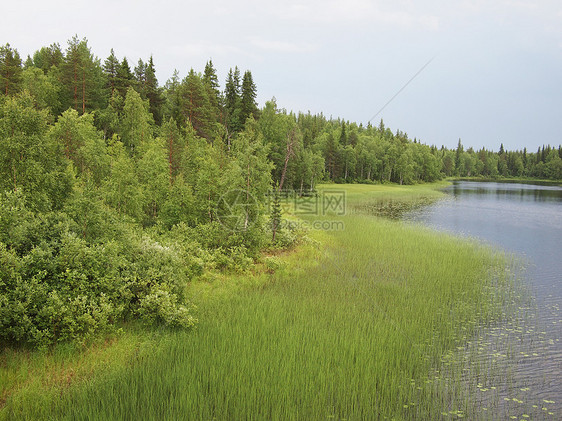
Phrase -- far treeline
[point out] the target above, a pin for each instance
(110, 184)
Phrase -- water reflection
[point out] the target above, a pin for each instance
(524, 192)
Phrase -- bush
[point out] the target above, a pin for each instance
(55, 286)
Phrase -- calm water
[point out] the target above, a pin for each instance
(525, 220)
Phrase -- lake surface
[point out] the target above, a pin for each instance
(525, 220)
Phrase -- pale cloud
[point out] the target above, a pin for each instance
(401, 15)
(376, 44)
(282, 46)
(202, 49)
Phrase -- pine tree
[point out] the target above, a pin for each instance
(196, 107)
(82, 76)
(10, 70)
(174, 144)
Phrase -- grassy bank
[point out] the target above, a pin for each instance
(350, 326)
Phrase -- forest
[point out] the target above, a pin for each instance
(110, 184)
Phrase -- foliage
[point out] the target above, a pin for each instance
(61, 283)
(114, 189)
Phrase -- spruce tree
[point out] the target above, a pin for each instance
(248, 105)
(139, 77)
(110, 70)
(458, 154)
(124, 78)
(211, 79)
(153, 92)
(211, 83)
(343, 135)
(232, 101)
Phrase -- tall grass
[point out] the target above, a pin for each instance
(349, 330)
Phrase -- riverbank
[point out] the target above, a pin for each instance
(350, 325)
(522, 180)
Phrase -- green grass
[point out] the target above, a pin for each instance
(350, 329)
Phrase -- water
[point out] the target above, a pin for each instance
(525, 220)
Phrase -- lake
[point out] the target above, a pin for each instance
(525, 220)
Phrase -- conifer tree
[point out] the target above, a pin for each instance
(211, 79)
(82, 77)
(343, 135)
(10, 70)
(331, 156)
(174, 143)
(211, 83)
(196, 107)
(139, 77)
(124, 78)
(248, 105)
(172, 99)
(153, 92)
(232, 101)
(110, 70)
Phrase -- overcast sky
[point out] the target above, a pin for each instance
(496, 75)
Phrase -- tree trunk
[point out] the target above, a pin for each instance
(83, 91)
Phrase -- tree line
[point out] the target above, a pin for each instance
(110, 183)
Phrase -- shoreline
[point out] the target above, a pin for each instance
(310, 283)
(538, 182)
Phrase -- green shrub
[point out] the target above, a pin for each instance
(56, 286)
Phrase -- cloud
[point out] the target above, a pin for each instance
(403, 16)
(205, 49)
(282, 46)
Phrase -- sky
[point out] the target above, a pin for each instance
(486, 72)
